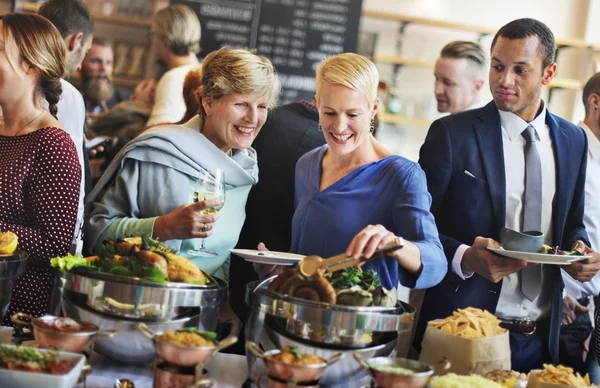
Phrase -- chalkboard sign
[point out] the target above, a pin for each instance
(295, 34)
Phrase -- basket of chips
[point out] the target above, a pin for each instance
(557, 377)
(471, 339)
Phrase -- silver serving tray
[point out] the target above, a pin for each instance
(135, 299)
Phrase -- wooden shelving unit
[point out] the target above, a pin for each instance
(403, 61)
(126, 82)
(404, 19)
(392, 118)
(119, 19)
(432, 22)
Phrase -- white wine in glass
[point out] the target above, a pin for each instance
(208, 187)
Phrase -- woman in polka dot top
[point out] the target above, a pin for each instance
(39, 169)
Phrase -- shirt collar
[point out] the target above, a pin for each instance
(514, 125)
(475, 105)
(593, 142)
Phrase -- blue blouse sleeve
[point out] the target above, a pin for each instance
(414, 222)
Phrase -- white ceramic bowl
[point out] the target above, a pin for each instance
(22, 379)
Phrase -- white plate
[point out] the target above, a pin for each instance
(539, 258)
(22, 379)
(268, 257)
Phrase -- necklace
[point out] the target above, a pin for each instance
(29, 123)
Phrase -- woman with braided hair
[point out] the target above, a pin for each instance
(39, 170)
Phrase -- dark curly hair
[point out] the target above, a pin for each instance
(41, 45)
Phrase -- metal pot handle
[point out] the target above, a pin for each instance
(335, 358)
(255, 349)
(441, 366)
(225, 343)
(109, 333)
(17, 319)
(362, 361)
(145, 330)
(292, 383)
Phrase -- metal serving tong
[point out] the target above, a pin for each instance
(311, 267)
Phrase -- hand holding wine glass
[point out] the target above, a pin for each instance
(187, 221)
(194, 220)
(208, 188)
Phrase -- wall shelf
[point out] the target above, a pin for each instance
(566, 83)
(119, 19)
(397, 60)
(392, 118)
(126, 82)
(432, 22)
(557, 82)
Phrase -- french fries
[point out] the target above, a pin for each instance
(563, 375)
(471, 323)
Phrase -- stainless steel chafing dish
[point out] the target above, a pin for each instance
(324, 329)
(11, 267)
(119, 303)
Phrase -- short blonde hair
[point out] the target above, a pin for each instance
(180, 27)
(351, 70)
(238, 71)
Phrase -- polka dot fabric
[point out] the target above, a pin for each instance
(39, 193)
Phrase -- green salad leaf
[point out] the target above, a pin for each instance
(353, 276)
(294, 350)
(68, 262)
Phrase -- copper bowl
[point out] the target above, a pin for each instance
(287, 372)
(184, 356)
(62, 340)
(387, 379)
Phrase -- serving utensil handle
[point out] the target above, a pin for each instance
(341, 261)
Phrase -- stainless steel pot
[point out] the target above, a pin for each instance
(338, 325)
(120, 303)
(11, 267)
(323, 329)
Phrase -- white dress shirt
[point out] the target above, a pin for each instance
(512, 303)
(591, 217)
(71, 115)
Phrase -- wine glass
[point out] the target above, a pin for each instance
(209, 186)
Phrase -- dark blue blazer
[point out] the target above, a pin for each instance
(467, 207)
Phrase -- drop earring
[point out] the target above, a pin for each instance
(372, 129)
(319, 128)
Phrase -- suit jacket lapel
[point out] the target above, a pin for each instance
(489, 140)
(560, 142)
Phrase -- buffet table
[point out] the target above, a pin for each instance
(226, 370)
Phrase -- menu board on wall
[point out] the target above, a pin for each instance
(295, 34)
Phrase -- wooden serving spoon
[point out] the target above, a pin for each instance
(311, 267)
